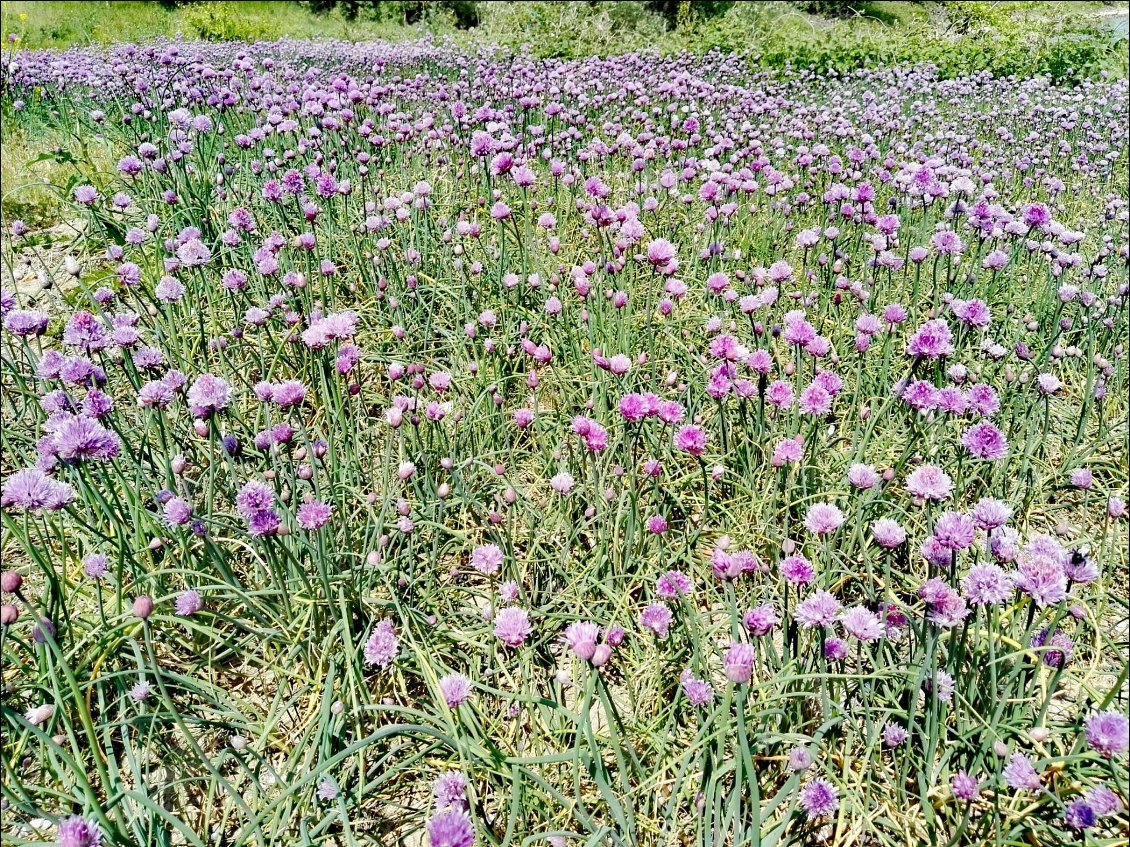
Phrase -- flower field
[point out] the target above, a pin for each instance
(421, 446)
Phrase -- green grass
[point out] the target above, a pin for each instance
(63, 24)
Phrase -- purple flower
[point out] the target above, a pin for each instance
(487, 559)
(698, 691)
(32, 489)
(455, 688)
(314, 514)
(823, 519)
(989, 513)
(893, 734)
(76, 438)
(178, 512)
(985, 441)
(819, 799)
(1103, 800)
(987, 584)
(954, 531)
(863, 624)
(1042, 579)
(761, 619)
(797, 569)
(656, 617)
(79, 832)
(691, 439)
(288, 393)
(581, 638)
(863, 476)
(512, 626)
(451, 828)
(818, 609)
(1079, 815)
(449, 791)
(208, 394)
(929, 482)
(932, 340)
(24, 322)
(188, 603)
(738, 662)
(888, 533)
(382, 645)
(1108, 733)
(964, 786)
(1020, 775)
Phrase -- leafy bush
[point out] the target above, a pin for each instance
(571, 28)
(224, 21)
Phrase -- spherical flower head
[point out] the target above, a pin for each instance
(863, 476)
(208, 394)
(455, 689)
(987, 584)
(1079, 815)
(989, 513)
(288, 393)
(656, 617)
(1043, 579)
(32, 489)
(76, 438)
(888, 533)
(799, 760)
(1048, 384)
(787, 451)
(512, 626)
(633, 407)
(760, 620)
(1082, 478)
(314, 514)
(657, 524)
(581, 638)
(818, 609)
(254, 497)
(661, 255)
(797, 570)
(738, 662)
(140, 691)
(954, 531)
(562, 482)
(1108, 733)
(929, 482)
(143, 607)
(1103, 800)
(964, 786)
(673, 584)
(691, 439)
(698, 691)
(188, 603)
(863, 624)
(487, 559)
(178, 511)
(451, 828)
(382, 646)
(815, 400)
(1116, 507)
(835, 649)
(1020, 775)
(819, 799)
(932, 340)
(79, 832)
(449, 791)
(263, 523)
(893, 734)
(985, 441)
(823, 519)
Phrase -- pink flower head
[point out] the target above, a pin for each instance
(512, 626)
